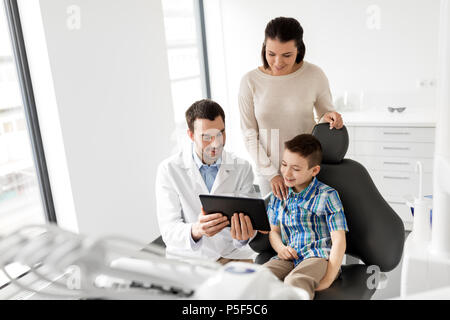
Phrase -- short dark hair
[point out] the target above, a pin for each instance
(203, 109)
(308, 147)
(284, 29)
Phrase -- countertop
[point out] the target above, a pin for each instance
(408, 118)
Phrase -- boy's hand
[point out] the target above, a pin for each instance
(208, 225)
(338, 245)
(241, 227)
(325, 283)
(287, 253)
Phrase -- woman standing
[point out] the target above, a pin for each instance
(284, 97)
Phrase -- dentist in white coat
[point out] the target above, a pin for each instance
(203, 167)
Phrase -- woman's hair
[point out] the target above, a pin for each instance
(307, 146)
(203, 109)
(284, 29)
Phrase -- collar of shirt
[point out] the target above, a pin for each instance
(305, 193)
(199, 163)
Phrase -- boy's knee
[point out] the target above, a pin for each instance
(301, 281)
(305, 283)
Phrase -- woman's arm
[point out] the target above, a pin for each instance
(325, 110)
(324, 103)
(250, 131)
(324, 100)
(338, 245)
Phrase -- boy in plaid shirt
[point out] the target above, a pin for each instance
(308, 226)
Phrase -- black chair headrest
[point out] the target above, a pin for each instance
(334, 142)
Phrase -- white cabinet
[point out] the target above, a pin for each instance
(392, 149)
(395, 134)
(390, 154)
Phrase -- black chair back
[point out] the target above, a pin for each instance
(376, 233)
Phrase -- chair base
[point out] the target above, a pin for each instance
(354, 283)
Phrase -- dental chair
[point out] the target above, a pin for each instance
(376, 233)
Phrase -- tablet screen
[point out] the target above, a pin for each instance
(252, 207)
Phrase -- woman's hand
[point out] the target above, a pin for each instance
(334, 119)
(279, 189)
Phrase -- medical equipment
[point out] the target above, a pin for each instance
(78, 267)
(421, 232)
(426, 265)
(440, 242)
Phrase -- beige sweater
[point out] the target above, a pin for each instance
(274, 109)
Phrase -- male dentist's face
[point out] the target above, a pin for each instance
(209, 138)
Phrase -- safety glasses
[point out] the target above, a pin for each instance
(398, 109)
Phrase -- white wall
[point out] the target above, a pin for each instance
(108, 89)
(385, 63)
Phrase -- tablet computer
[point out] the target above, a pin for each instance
(253, 207)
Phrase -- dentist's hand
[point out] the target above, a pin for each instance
(208, 225)
(241, 227)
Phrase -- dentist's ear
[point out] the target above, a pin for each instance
(190, 134)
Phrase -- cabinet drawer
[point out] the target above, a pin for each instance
(394, 149)
(400, 184)
(394, 164)
(394, 134)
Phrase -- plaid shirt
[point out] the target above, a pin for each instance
(306, 219)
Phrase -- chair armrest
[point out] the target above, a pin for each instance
(264, 256)
(260, 243)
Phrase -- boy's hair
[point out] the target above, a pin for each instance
(308, 147)
(203, 109)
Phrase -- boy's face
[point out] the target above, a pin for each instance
(208, 138)
(296, 172)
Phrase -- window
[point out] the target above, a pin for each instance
(20, 197)
(20, 201)
(186, 54)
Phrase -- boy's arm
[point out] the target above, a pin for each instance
(275, 238)
(338, 245)
(284, 252)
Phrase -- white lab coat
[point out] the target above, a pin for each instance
(178, 185)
